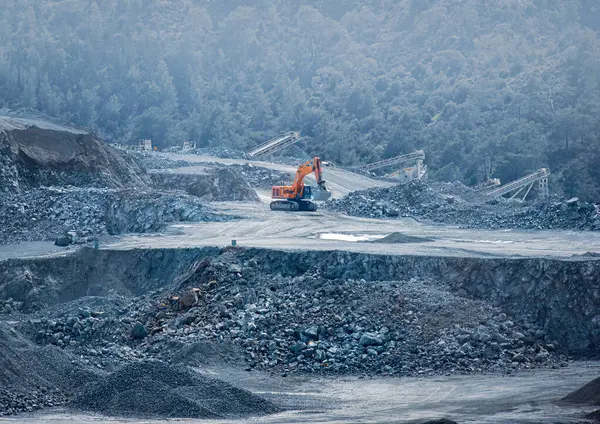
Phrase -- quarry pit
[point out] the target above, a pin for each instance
(189, 304)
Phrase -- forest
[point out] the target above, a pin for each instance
(488, 88)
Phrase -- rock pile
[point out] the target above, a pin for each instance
(151, 211)
(309, 323)
(36, 377)
(32, 377)
(260, 177)
(153, 160)
(10, 306)
(71, 330)
(451, 204)
(219, 152)
(48, 213)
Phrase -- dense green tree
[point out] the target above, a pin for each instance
(486, 88)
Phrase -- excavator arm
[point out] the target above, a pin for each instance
(304, 170)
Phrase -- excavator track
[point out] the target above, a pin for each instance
(290, 206)
(284, 205)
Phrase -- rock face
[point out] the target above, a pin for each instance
(35, 153)
(557, 298)
(223, 184)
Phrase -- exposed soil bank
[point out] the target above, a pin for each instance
(560, 296)
(35, 153)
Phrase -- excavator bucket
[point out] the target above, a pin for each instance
(321, 193)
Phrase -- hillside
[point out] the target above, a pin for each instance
(487, 88)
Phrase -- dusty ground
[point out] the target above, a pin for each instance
(524, 398)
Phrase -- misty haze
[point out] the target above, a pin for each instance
(300, 211)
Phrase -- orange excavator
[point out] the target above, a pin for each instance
(298, 196)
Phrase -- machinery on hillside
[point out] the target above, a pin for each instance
(416, 172)
(145, 145)
(298, 196)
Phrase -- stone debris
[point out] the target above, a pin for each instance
(152, 160)
(310, 324)
(48, 213)
(456, 204)
(263, 178)
(33, 377)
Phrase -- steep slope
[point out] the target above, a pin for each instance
(35, 153)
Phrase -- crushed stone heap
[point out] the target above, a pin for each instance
(156, 389)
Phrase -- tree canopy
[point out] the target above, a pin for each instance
(486, 87)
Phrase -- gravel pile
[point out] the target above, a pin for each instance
(16, 399)
(309, 323)
(47, 213)
(594, 415)
(141, 212)
(586, 395)
(445, 203)
(35, 377)
(155, 389)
